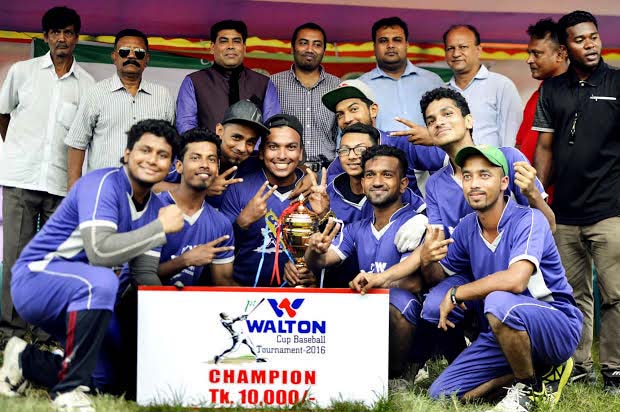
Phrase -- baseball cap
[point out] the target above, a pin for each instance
(285, 120)
(246, 112)
(491, 153)
(348, 89)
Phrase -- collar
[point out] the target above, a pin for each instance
(299, 174)
(595, 79)
(481, 74)
(227, 72)
(125, 181)
(321, 74)
(46, 62)
(404, 209)
(410, 69)
(117, 84)
(509, 208)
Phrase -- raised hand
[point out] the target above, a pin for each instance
(304, 187)
(319, 242)
(435, 246)
(525, 178)
(221, 182)
(318, 199)
(256, 207)
(418, 134)
(171, 218)
(204, 254)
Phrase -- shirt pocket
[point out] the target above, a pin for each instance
(66, 114)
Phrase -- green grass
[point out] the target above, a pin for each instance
(575, 398)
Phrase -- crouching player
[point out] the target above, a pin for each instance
(510, 259)
(62, 281)
(384, 181)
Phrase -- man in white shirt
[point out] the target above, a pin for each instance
(38, 101)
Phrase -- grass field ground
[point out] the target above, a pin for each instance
(576, 397)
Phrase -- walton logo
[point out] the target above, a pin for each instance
(285, 305)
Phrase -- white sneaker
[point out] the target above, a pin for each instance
(12, 382)
(74, 401)
(520, 398)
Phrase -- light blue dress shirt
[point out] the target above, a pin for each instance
(496, 107)
(400, 97)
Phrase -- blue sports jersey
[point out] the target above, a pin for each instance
(348, 211)
(100, 198)
(205, 225)
(446, 203)
(419, 158)
(375, 249)
(255, 247)
(524, 234)
(251, 165)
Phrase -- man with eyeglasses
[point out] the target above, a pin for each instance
(110, 108)
(354, 102)
(494, 100)
(38, 101)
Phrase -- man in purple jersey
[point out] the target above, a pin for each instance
(63, 282)
(450, 123)
(371, 242)
(254, 205)
(512, 268)
(206, 240)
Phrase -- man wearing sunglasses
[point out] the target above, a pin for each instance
(110, 108)
(38, 101)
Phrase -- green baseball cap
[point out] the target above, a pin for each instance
(491, 153)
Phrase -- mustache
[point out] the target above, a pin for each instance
(132, 61)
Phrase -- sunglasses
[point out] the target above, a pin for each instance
(124, 52)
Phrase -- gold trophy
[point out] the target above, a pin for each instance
(297, 228)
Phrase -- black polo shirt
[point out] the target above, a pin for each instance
(584, 117)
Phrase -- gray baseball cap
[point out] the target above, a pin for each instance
(245, 112)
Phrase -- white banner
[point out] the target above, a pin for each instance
(261, 346)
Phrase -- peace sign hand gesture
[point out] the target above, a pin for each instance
(256, 207)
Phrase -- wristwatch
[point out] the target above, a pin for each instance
(453, 298)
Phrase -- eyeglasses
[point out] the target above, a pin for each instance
(358, 150)
(139, 53)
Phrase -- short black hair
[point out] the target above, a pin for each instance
(131, 33)
(160, 128)
(389, 22)
(544, 28)
(236, 25)
(310, 26)
(444, 93)
(465, 26)
(372, 133)
(385, 150)
(59, 18)
(572, 19)
(199, 134)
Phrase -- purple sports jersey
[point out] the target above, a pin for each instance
(251, 165)
(446, 204)
(102, 198)
(524, 234)
(376, 252)
(255, 247)
(546, 310)
(349, 211)
(204, 226)
(419, 158)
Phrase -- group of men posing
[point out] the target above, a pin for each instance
(474, 250)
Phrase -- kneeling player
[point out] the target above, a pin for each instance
(62, 281)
